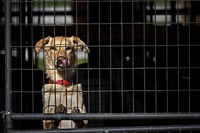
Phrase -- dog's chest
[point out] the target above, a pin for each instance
(70, 97)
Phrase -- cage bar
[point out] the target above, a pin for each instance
(108, 116)
(8, 82)
(176, 128)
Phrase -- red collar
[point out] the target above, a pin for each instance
(63, 82)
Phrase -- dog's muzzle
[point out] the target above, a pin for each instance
(62, 62)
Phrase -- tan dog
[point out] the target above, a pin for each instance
(60, 61)
(60, 55)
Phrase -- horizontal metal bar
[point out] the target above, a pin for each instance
(108, 116)
(117, 68)
(119, 129)
(92, 1)
(108, 91)
(118, 46)
(148, 12)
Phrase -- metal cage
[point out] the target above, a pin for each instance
(142, 74)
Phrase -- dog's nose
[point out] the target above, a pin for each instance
(62, 62)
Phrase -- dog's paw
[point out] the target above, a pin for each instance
(60, 109)
(76, 110)
(78, 123)
(55, 123)
(52, 125)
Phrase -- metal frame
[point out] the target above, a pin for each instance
(175, 128)
(8, 83)
(108, 116)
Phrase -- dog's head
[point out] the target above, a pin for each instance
(61, 50)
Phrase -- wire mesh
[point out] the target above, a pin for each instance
(143, 61)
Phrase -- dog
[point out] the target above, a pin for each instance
(60, 58)
(60, 61)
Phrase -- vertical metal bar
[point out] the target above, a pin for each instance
(65, 16)
(30, 22)
(133, 62)
(8, 75)
(65, 32)
(166, 50)
(122, 62)
(99, 36)
(21, 22)
(110, 35)
(178, 53)
(54, 19)
(155, 59)
(88, 64)
(77, 19)
(54, 34)
(144, 53)
(189, 65)
(43, 35)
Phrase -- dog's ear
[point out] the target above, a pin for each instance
(79, 44)
(39, 45)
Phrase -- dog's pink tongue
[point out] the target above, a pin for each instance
(68, 62)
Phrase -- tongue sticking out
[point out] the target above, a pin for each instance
(62, 62)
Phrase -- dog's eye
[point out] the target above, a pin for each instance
(53, 48)
(68, 48)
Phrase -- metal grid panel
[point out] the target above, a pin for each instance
(142, 67)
